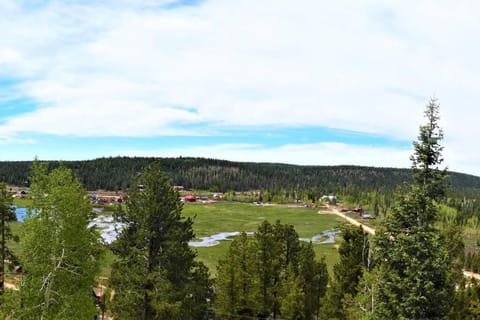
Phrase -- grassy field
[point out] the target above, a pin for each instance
(210, 219)
(471, 238)
(22, 202)
(219, 217)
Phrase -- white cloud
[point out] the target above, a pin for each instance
(9, 140)
(125, 120)
(368, 66)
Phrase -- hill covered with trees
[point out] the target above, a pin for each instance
(118, 173)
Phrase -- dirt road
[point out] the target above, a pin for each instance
(350, 220)
(370, 230)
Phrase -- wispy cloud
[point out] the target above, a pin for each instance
(12, 139)
(163, 67)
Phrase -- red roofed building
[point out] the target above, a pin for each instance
(190, 198)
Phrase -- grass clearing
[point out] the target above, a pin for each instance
(219, 217)
(471, 238)
(15, 246)
(210, 219)
(234, 216)
(24, 203)
(106, 261)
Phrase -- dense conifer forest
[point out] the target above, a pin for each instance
(118, 173)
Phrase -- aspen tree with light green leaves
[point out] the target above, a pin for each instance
(60, 252)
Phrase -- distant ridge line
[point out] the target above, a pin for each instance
(119, 173)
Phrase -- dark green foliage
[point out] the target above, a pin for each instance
(7, 214)
(453, 238)
(271, 275)
(414, 265)
(312, 279)
(467, 302)
(426, 159)
(289, 247)
(347, 273)
(467, 209)
(293, 302)
(309, 182)
(268, 264)
(156, 276)
(237, 285)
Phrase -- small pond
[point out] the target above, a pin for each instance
(324, 237)
(108, 228)
(215, 239)
(21, 213)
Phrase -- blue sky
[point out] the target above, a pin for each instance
(304, 82)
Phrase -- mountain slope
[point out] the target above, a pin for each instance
(220, 175)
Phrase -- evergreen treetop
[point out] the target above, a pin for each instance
(412, 258)
(156, 276)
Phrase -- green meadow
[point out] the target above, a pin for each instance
(210, 219)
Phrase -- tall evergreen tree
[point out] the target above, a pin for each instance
(156, 276)
(268, 256)
(346, 273)
(414, 264)
(256, 281)
(59, 250)
(313, 280)
(287, 238)
(288, 250)
(237, 290)
(293, 303)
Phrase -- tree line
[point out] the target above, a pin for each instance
(120, 173)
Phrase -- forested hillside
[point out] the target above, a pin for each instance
(219, 175)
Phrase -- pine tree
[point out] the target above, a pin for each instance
(268, 256)
(59, 250)
(289, 245)
(313, 280)
(347, 273)
(288, 250)
(292, 306)
(413, 260)
(227, 286)
(156, 276)
(256, 281)
(236, 283)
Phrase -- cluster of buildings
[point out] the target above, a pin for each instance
(105, 199)
(363, 213)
